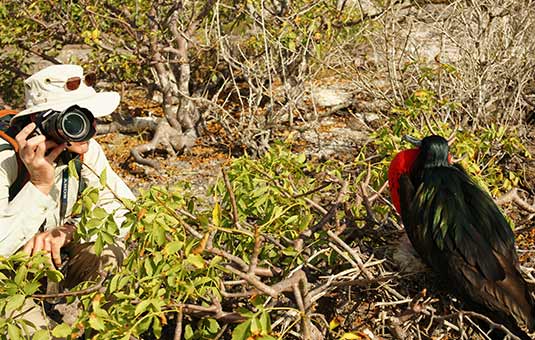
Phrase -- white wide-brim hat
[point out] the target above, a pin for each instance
(47, 89)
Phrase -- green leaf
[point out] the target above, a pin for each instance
(96, 322)
(242, 332)
(196, 260)
(41, 334)
(93, 196)
(54, 275)
(149, 267)
(255, 326)
(14, 303)
(103, 177)
(72, 169)
(123, 282)
(100, 213)
(144, 325)
(31, 288)
(213, 326)
(99, 245)
(114, 282)
(290, 251)
(21, 274)
(14, 332)
(172, 247)
(93, 223)
(61, 331)
(216, 215)
(291, 219)
(157, 328)
(128, 204)
(107, 238)
(188, 332)
(265, 323)
(142, 307)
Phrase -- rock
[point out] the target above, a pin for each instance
(330, 96)
(331, 138)
(74, 53)
(406, 258)
(367, 7)
(427, 43)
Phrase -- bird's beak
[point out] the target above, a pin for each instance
(414, 141)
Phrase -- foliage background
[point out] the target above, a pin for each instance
(296, 238)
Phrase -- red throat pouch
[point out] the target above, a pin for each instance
(401, 164)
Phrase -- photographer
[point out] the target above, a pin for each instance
(57, 126)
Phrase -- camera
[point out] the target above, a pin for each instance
(74, 124)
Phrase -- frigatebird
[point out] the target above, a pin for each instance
(458, 230)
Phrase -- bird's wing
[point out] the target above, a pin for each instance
(460, 232)
(407, 193)
(464, 219)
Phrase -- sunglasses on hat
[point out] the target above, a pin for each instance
(73, 83)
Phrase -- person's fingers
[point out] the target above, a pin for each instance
(40, 150)
(24, 133)
(38, 244)
(52, 155)
(56, 253)
(28, 247)
(47, 247)
(29, 149)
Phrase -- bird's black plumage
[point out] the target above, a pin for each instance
(459, 231)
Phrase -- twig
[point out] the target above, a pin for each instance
(357, 258)
(327, 217)
(96, 287)
(253, 280)
(304, 318)
(235, 216)
(256, 251)
(493, 324)
(189, 228)
(214, 311)
(512, 196)
(178, 327)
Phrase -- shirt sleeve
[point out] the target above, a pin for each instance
(21, 217)
(96, 160)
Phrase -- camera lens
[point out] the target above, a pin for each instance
(74, 125)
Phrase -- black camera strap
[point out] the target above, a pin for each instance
(65, 182)
(64, 194)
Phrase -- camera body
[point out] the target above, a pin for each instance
(74, 124)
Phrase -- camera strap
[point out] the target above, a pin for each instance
(64, 194)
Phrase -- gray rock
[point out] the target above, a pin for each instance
(330, 96)
(74, 53)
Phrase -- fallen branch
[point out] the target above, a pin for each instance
(513, 196)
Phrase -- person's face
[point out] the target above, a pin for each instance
(78, 147)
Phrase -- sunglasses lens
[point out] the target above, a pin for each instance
(73, 83)
(90, 79)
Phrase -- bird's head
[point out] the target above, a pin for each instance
(429, 152)
(434, 151)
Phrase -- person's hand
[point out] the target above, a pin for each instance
(38, 155)
(51, 241)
